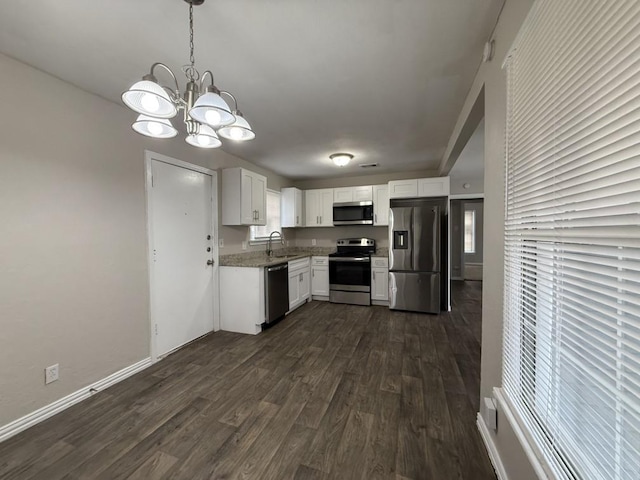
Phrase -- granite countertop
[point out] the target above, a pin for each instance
(381, 252)
(281, 255)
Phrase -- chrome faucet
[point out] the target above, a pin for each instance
(269, 250)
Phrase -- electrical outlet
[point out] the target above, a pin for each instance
(244, 245)
(313, 242)
(221, 242)
(51, 374)
(287, 243)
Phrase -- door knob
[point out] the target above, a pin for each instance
(209, 262)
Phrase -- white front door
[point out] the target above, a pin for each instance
(181, 242)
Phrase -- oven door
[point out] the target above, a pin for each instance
(353, 213)
(351, 274)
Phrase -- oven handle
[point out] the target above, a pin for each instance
(350, 259)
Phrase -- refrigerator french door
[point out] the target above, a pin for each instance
(415, 255)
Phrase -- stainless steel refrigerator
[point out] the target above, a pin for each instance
(416, 272)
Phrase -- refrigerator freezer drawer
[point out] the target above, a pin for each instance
(414, 292)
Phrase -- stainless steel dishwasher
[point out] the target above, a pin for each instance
(276, 291)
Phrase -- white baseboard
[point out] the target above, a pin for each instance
(33, 418)
(491, 449)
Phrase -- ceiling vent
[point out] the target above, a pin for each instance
(368, 165)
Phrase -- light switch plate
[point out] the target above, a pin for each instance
(244, 245)
(221, 242)
(313, 242)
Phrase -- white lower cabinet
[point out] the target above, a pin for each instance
(299, 282)
(320, 278)
(380, 280)
(242, 299)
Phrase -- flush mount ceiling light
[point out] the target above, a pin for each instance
(341, 159)
(204, 113)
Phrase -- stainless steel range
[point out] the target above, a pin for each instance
(350, 271)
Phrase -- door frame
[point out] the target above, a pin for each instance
(465, 198)
(149, 156)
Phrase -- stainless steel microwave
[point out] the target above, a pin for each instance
(353, 213)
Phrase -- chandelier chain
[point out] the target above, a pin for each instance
(190, 70)
(191, 47)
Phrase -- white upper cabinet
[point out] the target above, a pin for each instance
(291, 212)
(419, 187)
(403, 188)
(433, 187)
(319, 207)
(244, 197)
(381, 205)
(353, 194)
(344, 194)
(363, 194)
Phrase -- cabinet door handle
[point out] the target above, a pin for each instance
(320, 219)
(374, 274)
(300, 277)
(297, 219)
(313, 273)
(375, 218)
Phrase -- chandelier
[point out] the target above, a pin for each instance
(206, 115)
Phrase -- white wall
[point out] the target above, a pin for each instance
(469, 167)
(492, 79)
(73, 264)
(327, 236)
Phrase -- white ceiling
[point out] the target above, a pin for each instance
(382, 79)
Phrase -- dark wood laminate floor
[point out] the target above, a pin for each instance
(340, 392)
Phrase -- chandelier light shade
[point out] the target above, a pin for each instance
(211, 109)
(341, 159)
(205, 138)
(240, 130)
(154, 127)
(203, 113)
(149, 98)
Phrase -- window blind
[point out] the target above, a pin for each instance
(274, 223)
(571, 366)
